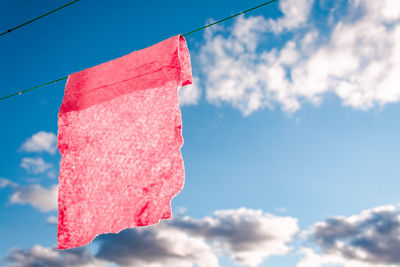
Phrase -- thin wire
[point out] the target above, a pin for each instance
(199, 29)
(26, 90)
(237, 14)
(32, 20)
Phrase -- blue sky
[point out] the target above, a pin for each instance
(291, 131)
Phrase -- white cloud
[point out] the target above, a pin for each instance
(229, 66)
(350, 61)
(190, 94)
(41, 141)
(35, 165)
(360, 68)
(371, 238)
(41, 198)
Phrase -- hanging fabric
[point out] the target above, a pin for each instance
(119, 135)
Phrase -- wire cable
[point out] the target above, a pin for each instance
(237, 14)
(26, 90)
(32, 20)
(196, 30)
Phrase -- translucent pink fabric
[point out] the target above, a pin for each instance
(120, 137)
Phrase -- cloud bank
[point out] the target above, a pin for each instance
(355, 55)
(247, 236)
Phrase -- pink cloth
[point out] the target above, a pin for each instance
(120, 137)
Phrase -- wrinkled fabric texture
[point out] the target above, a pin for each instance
(119, 137)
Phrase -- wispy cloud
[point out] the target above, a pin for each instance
(35, 165)
(41, 142)
(5, 182)
(344, 57)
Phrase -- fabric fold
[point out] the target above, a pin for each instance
(120, 134)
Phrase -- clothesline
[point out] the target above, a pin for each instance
(196, 30)
(41, 16)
